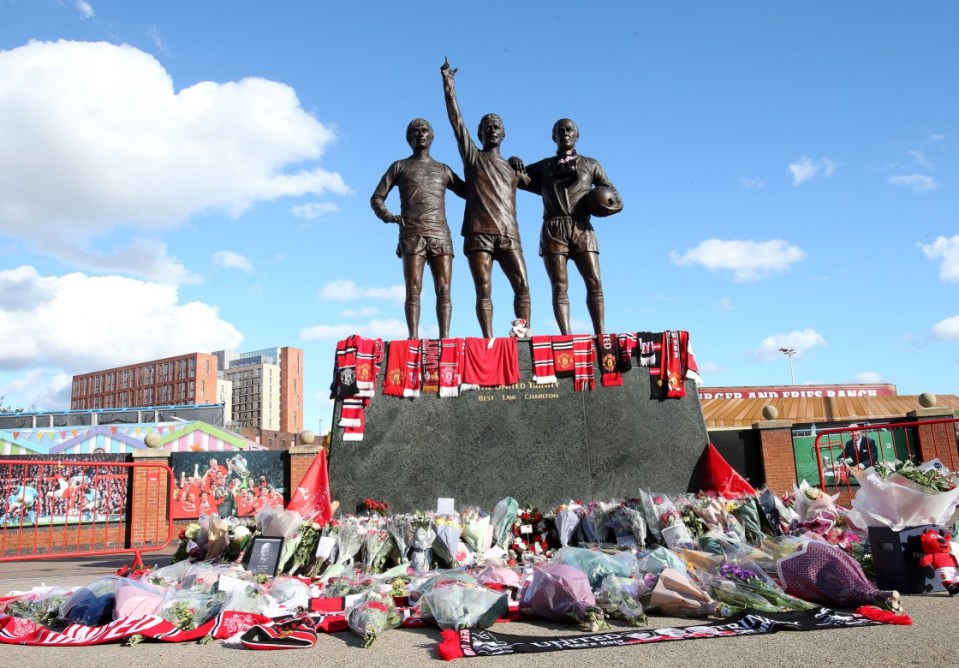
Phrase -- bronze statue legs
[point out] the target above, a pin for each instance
(588, 266)
(441, 267)
(514, 266)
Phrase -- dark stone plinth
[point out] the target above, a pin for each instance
(539, 444)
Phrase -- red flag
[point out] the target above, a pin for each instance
(311, 498)
(720, 477)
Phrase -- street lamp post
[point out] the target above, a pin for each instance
(789, 352)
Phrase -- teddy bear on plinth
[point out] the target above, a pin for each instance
(937, 552)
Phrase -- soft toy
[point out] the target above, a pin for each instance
(937, 552)
(519, 329)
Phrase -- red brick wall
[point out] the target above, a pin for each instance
(149, 502)
(291, 390)
(779, 463)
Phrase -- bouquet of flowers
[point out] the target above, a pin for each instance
(899, 494)
(187, 548)
(711, 508)
(504, 516)
(628, 523)
(42, 605)
(374, 507)
(324, 558)
(597, 565)
(400, 528)
(672, 529)
(421, 547)
(372, 616)
(448, 529)
(816, 511)
(747, 512)
(187, 610)
(595, 522)
(459, 605)
(377, 545)
(477, 530)
(622, 598)
(693, 521)
(744, 588)
(349, 539)
(238, 540)
(567, 518)
(305, 547)
(344, 585)
(218, 530)
(530, 535)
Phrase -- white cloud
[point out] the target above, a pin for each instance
(947, 329)
(345, 290)
(868, 377)
(390, 330)
(38, 389)
(82, 323)
(799, 340)
(112, 143)
(142, 257)
(806, 169)
(947, 250)
(920, 183)
(751, 183)
(726, 304)
(937, 136)
(85, 9)
(154, 34)
(314, 210)
(748, 260)
(367, 312)
(230, 260)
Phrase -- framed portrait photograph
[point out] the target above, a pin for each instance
(265, 555)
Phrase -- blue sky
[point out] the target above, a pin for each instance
(183, 176)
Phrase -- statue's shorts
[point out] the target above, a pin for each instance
(566, 236)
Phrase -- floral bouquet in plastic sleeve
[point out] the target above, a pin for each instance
(448, 530)
(373, 615)
(477, 529)
(900, 494)
(377, 545)
(421, 546)
(461, 605)
(622, 598)
(41, 605)
(595, 522)
(815, 510)
(671, 526)
(504, 516)
(400, 528)
(187, 610)
(567, 517)
(629, 523)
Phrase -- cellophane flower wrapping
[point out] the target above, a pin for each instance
(477, 529)
(595, 522)
(459, 605)
(422, 584)
(218, 537)
(400, 528)
(567, 519)
(622, 598)
(421, 546)
(136, 598)
(277, 522)
(448, 529)
(373, 615)
(239, 538)
(898, 502)
(93, 604)
(629, 525)
(288, 592)
(815, 510)
(558, 592)
(377, 546)
(349, 539)
(676, 595)
(659, 559)
(652, 516)
(504, 516)
(672, 529)
(41, 605)
(188, 609)
(746, 511)
(597, 565)
(169, 576)
(250, 598)
(744, 587)
(304, 547)
(531, 536)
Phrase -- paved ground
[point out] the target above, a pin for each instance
(929, 641)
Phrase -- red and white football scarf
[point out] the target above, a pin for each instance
(490, 362)
(543, 369)
(627, 343)
(452, 353)
(354, 430)
(398, 354)
(671, 368)
(563, 362)
(584, 355)
(609, 355)
(431, 365)
(369, 355)
(413, 380)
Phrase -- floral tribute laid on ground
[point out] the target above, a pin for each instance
(736, 560)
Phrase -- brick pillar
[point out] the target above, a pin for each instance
(301, 457)
(148, 519)
(936, 440)
(779, 462)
